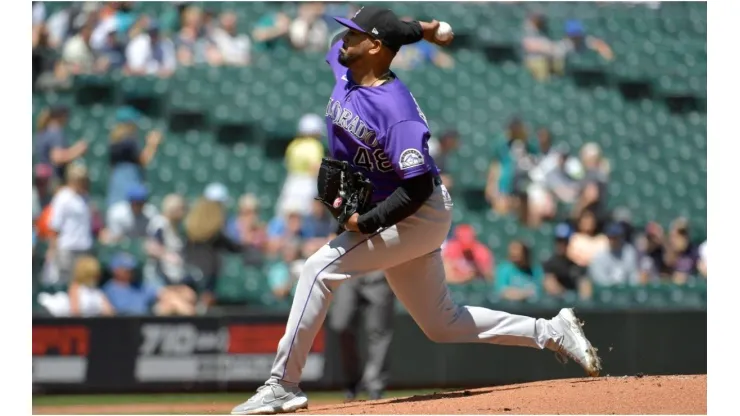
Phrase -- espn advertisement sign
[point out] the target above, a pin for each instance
(198, 351)
(60, 353)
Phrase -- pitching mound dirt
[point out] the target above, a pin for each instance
(604, 395)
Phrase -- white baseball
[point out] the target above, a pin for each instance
(444, 31)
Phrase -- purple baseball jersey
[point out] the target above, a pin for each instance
(380, 131)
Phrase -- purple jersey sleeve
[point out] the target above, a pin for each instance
(406, 146)
(331, 59)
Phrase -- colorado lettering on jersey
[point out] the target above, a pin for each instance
(344, 118)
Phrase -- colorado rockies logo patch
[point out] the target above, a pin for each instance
(410, 158)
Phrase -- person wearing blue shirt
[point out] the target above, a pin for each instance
(283, 273)
(282, 229)
(519, 277)
(126, 297)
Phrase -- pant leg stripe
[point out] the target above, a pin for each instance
(308, 298)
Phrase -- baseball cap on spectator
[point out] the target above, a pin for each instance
(311, 125)
(614, 230)
(216, 192)
(127, 114)
(563, 231)
(43, 171)
(137, 193)
(153, 26)
(123, 261)
(574, 27)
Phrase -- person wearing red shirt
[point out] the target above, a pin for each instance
(466, 258)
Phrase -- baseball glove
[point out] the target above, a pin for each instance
(342, 191)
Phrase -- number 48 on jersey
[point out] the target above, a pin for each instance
(372, 160)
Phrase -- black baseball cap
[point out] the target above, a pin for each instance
(378, 23)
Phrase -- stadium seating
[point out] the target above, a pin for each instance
(658, 154)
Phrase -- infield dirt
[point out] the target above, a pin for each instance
(603, 395)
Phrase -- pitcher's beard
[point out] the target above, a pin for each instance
(345, 59)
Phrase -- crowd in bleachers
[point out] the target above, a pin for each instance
(130, 256)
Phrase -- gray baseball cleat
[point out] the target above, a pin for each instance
(574, 343)
(273, 398)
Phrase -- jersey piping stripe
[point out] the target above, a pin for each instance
(308, 297)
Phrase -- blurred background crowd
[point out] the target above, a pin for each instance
(176, 147)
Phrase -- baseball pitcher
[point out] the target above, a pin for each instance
(384, 188)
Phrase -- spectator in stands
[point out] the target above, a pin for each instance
(127, 159)
(283, 273)
(151, 54)
(38, 15)
(302, 161)
(217, 192)
(42, 192)
(130, 219)
(165, 243)
(507, 174)
(248, 230)
(650, 246)
(594, 180)
(112, 53)
(577, 41)
(285, 228)
(192, 48)
(70, 224)
(235, 47)
(551, 180)
(78, 56)
(319, 226)
(131, 297)
(51, 143)
(702, 264)
(270, 30)
(519, 277)
(209, 25)
(561, 274)
(83, 297)
(45, 73)
(416, 55)
(618, 264)
(681, 254)
(205, 243)
(587, 240)
(440, 150)
(466, 258)
(308, 31)
(537, 46)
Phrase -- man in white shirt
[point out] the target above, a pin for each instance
(71, 225)
(130, 219)
(78, 55)
(702, 264)
(151, 54)
(235, 48)
(617, 265)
